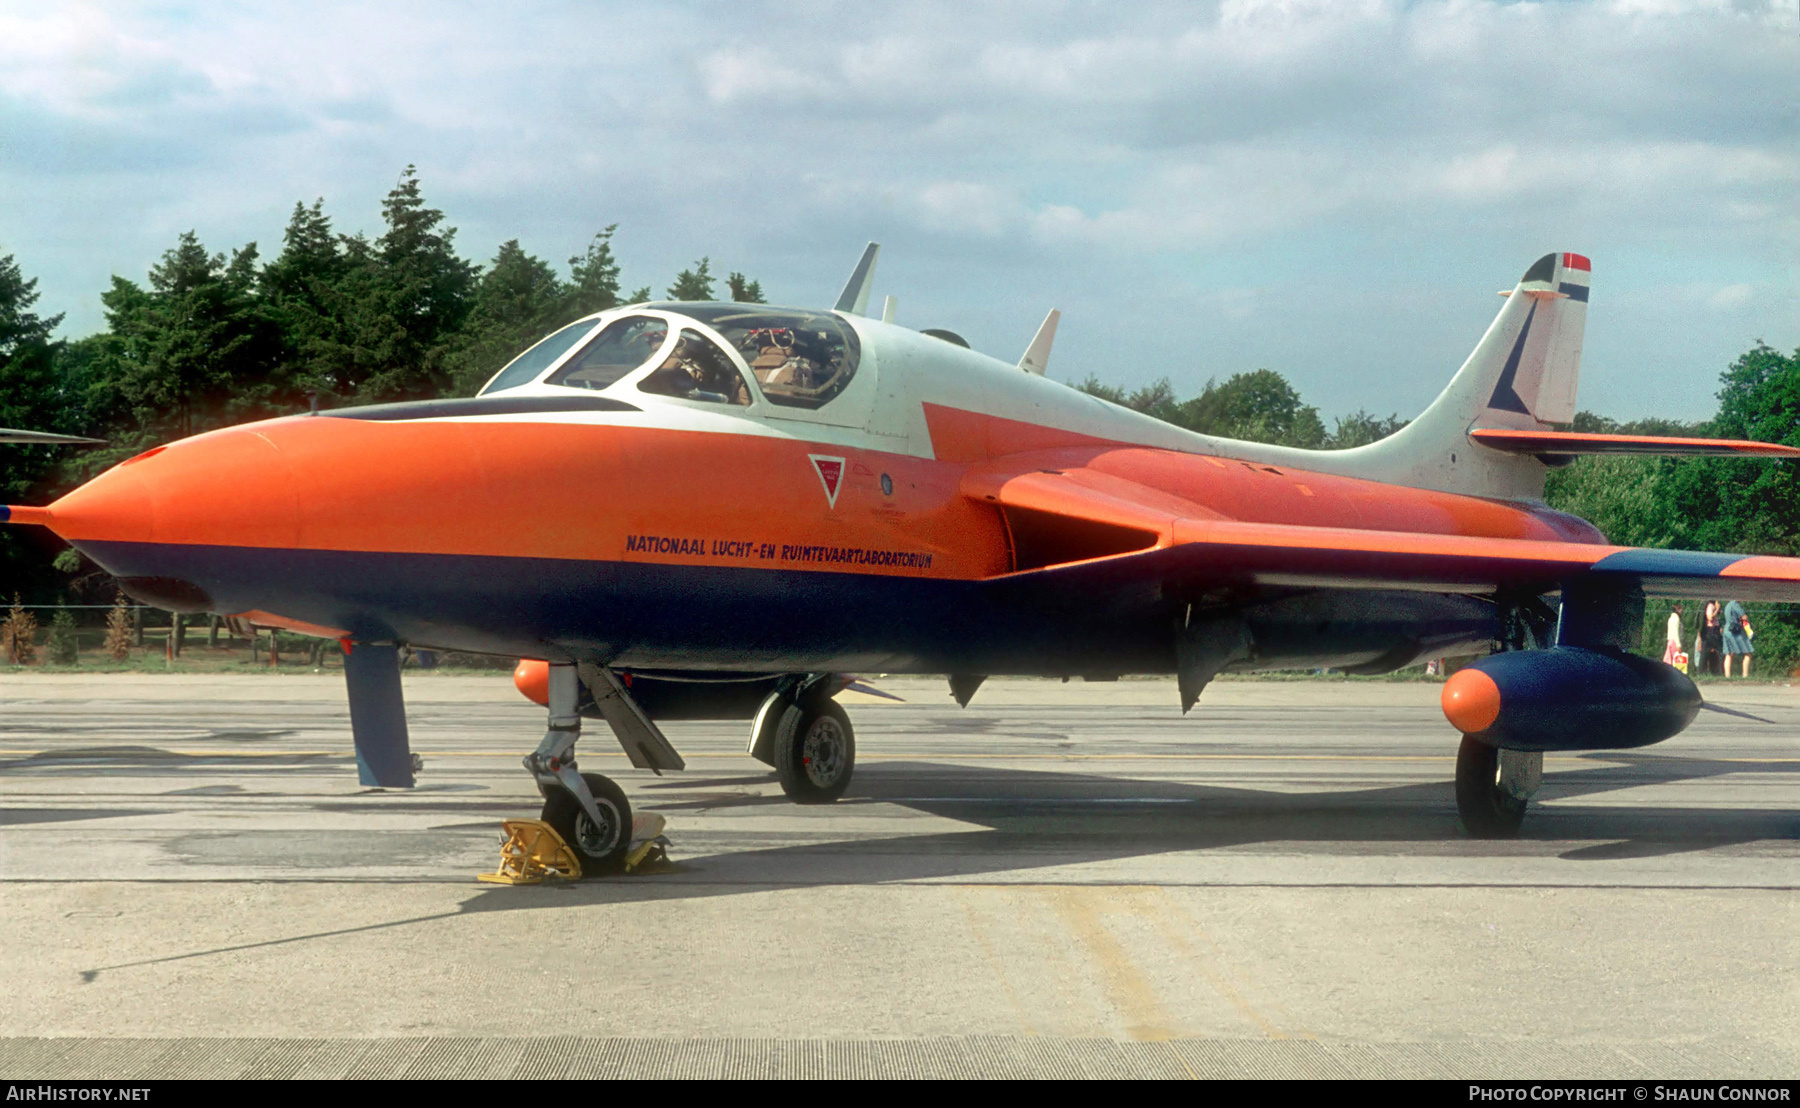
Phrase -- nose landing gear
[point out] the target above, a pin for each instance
(599, 844)
(589, 811)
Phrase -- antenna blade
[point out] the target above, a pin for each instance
(887, 309)
(855, 297)
(1037, 355)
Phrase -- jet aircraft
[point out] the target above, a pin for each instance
(719, 510)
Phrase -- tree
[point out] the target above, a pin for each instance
(519, 300)
(743, 290)
(302, 289)
(63, 645)
(192, 349)
(18, 635)
(118, 631)
(1361, 427)
(33, 396)
(695, 283)
(406, 297)
(1259, 406)
(594, 277)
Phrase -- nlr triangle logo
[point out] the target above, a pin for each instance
(831, 475)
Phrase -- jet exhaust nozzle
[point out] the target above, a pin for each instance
(1570, 698)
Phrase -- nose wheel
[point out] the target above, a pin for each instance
(601, 846)
(815, 751)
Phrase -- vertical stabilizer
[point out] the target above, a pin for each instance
(1542, 370)
(1522, 375)
(1037, 355)
(855, 297)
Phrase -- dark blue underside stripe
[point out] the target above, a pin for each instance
(1101, 619)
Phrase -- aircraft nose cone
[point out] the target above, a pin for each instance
(224, 488)
(1471, 701)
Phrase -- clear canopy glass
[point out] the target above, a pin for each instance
(801, 359)
(524, 369)
(614, 353)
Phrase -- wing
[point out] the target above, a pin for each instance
(1110, 531)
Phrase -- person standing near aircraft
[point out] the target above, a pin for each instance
(1710, 641)
(1673, 646)
(1737, 634)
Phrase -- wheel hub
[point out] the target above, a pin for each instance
(822, 752)
(597, 841)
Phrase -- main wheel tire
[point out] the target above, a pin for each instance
(600, 849)
(815, 752)
(1487, 810)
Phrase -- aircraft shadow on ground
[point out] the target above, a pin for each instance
(1035, 819)
(1038, 819)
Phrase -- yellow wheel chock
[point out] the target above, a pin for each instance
(647, 842)
(532, 851)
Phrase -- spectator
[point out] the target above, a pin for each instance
(1709, 644)
(1736, 637)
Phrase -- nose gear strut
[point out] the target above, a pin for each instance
(552, 764)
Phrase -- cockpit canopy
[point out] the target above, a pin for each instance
(800, 359)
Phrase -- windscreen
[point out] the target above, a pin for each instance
(801, 359)
(524, 369)
(625, 345)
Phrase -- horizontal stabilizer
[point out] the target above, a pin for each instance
(1576, 442)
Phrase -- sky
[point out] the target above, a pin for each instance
(1335, 190)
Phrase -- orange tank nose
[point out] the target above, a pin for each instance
(1471, 701)
(532, 678)
(225, 488)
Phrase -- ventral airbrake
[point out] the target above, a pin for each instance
(713, 510)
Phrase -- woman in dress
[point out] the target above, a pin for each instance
(1736, 637)
(1712, 639)
(1673, 646)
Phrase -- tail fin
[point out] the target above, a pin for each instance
(1522, 375)
(1543, 367)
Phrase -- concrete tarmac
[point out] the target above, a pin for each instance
(1061, 879)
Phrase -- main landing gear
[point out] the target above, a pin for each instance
(807, 737)
(1494, 787)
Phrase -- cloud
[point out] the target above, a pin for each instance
(1731, 297)
(1116, 159)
